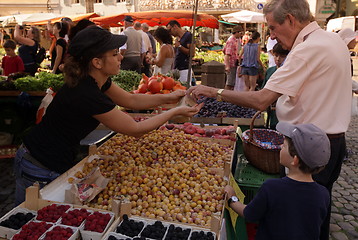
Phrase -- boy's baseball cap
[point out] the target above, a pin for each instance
(311, 143)
(93, 40)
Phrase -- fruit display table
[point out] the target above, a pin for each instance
(159, 175)
(151, 190)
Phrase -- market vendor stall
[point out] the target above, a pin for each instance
(161, 18)
(153, 153)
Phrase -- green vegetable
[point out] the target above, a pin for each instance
(210, 55)
(40, 82)
(127, 80)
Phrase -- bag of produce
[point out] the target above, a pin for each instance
(45, 102)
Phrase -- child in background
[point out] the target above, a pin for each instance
(279, 55)
(292, 207)
(11, 63)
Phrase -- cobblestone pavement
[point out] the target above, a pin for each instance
(344, 220)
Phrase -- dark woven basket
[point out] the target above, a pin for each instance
(262, 148)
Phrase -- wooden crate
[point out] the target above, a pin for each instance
(245, 121)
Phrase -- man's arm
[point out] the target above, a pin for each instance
(258, 100)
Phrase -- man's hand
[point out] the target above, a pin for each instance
(197, 91)
(176, 43)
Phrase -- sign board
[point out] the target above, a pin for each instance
(260, 6)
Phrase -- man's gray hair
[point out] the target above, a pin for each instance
(300, 9)
(137, 25)
(145, 26)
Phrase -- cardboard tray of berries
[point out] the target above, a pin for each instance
(144, 228)
(12, 222)
(45, 207)
(32, 230)
(61, 232)
(96, 225)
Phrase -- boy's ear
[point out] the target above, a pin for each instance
(295, 161)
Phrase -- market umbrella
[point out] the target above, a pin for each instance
(161, 18)
(12, 20)
(74, 18)
(244, 16)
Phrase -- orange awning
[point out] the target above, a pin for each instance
(161, 18)
(74, 18)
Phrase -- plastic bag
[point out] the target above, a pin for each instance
(44, 104)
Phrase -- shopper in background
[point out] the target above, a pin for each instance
(313, 86)
(280, 55)
(350, 39)
(145, 29)
(250, 54)
(82, 24)
(292, 207)
(11, 63)
(182, 44)
(87, 99)
(28, 48)
(231, 57)
(146, 49)
(269, 46)
(246, 38)
(70, 25)
(164, 62)
(60, 30)
(132, 51)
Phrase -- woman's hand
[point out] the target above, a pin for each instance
(189, 111)
(197, 91)
(175, 96)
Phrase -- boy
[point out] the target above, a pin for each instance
(11, 63)
(294, 206)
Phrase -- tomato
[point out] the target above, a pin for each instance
(155, 85)
(168, 83)
(142, 88)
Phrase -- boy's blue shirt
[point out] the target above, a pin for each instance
(288, 209)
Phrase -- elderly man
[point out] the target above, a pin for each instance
(146, 49)
(311, 87)
(132, 51)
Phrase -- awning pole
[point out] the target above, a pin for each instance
(192, 45)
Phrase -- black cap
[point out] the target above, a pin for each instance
(128, 19)
(94, 40)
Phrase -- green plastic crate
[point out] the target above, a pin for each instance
(250, 178)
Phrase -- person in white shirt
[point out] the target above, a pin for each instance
(269, 46)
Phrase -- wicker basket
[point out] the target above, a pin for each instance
(262, 148)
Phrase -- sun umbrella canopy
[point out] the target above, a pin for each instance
(12, 20)
(161, 18)
(74, 18)
(244, 16)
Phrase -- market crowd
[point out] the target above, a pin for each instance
(304, 86)
(139, 52)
